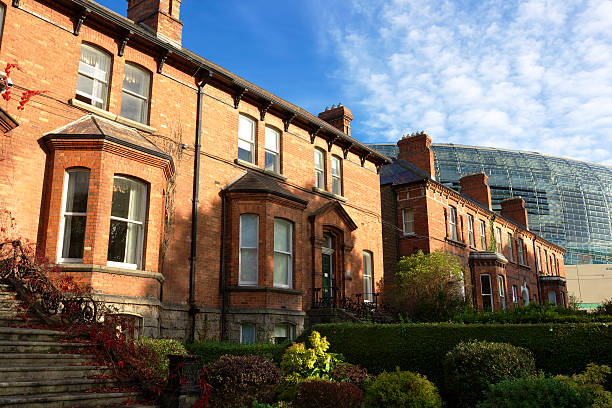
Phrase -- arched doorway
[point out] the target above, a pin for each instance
(328, 271)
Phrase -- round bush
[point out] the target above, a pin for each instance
(535, 392)
(471, 367)
(402, 389)
(327, 394)
(158, 351)
(239, 380)
(350, 373)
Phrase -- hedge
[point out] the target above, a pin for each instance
(421, 348)
(212, 351)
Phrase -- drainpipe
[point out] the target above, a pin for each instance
(535, 261)
(193, 310)
(222, 263)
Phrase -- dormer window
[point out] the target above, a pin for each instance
(93, 79)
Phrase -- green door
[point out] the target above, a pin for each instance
(327, 279)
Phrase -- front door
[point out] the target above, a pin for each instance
(327, 281)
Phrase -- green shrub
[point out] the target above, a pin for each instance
(158, 350)
(328, 394)
(402, 389)
(592, 380)
(471, 367)
(557, 348)
(350, 373)
(212, 351)
(300, 361)
(239, 380)
(604, 309)
(535, 392)
(534, 313)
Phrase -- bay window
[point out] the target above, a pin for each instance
(135, 97)
(249, 243)
(74, 216)
(368, 295)
(93, 78)
(272, 150)
(336, 167)
(283, 253)
(246, 139)
(319, 165)
(127, 226)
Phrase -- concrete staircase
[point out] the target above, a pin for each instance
(39, 369)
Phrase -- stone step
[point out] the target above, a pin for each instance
(19, 321)
(65, 385)
(30, 373)
(68, 400)
(8, 346)
(9, 303)
(5, 288)
(52, 359)
(24, 334)
(8, 311)
(7, 295)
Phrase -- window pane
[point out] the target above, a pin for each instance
(248, 265)
(272, 139)
(117, 240)
(121, 198)
(318, 156)
(281, 269)
(133, 108)
(367, 276)
(552, 298)
(282, 235)
(271, 160)
(2, 10)
(248, 230)
(485, 283)
(85, 84)
(137, 197)
(74, 237)
(245, 129)
(136, 80)
(244, 151)
(133, 252)
(335, 166)
(247, 333)
(78, 189)
(319, 183)
(336, 186)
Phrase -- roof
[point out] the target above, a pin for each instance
(254, 182)
(95, 127)
(228, 79)
(401, 172)
(7, 122)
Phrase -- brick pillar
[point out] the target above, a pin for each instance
(476, 187)
(160, 15)
(416, 149)
(339, 117)
(514, 208)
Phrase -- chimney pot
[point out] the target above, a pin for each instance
(476, 186)
(416, 149)
(162, 16)
(339, 117)
(514, 208)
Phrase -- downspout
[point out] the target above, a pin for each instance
(193, 310)
(535, 261)
(222, 263)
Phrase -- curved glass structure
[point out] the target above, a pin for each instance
(569, 202)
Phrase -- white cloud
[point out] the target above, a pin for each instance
(531, 75)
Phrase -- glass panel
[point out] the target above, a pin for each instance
(318, 156)
(335, 166)
(336, 186)
(272, 140)
(244, 151)
(117, 240)
(485, 283)
(319, 183)
(121, 198)
(248, 265)
(282, 235)
(247, 333)
(137, 197)
(85, 85)
(552, 298)
(78, 189)
(245, 129)
(271, 160)
(136, 80)
(74, 237)
(367, 276)
(133, 244)
(281, 269)
(133, 108)
(248, 230)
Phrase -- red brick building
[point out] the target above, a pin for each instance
(182, 193)
(504, 263)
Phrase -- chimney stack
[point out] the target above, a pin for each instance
(416, 149)
(162, 16)
(339, 117)
(514, 208)
(476, 187)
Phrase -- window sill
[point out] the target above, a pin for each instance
(455, 243)
(259, 169)
(264, 289)
(74, 267)
(328, 194)
(107, 115)
(409, 235)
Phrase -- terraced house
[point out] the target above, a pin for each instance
(184, 195)
(505, 265)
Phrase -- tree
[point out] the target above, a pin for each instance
(428, 287)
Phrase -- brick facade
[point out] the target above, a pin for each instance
(441, 221)
(45, 38)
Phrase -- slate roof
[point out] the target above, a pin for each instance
(401, 172)
(254, 182)
(95, 127)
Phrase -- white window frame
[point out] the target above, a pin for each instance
(256, 248)
(556, 265)
(471, 236)
(273, 133)
(319, 171)
(501, 282)
(140, 244)
(337, 177)
(490, 294)
(288, 253)
(539, 260)
(515, 296)
(408, 221)
(546, 262)
(510, 252)
(452, 222)
(242, 326)
(521, 253)
(290, 331)
(251, 141)
(143, 98)
(64, 214)
(498, 240)
(96, 78)
(368, 296)
(483, 235)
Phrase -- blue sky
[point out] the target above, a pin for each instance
(530, 75)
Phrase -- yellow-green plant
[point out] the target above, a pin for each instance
(158, 350)
(300, 361)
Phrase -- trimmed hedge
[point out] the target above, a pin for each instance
(212, 351)
(534, 313)
(421, 348)
(158, 350)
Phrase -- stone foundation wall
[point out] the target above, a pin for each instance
(264, 321)
(175, 323)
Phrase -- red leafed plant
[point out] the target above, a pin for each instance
(6, 86)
